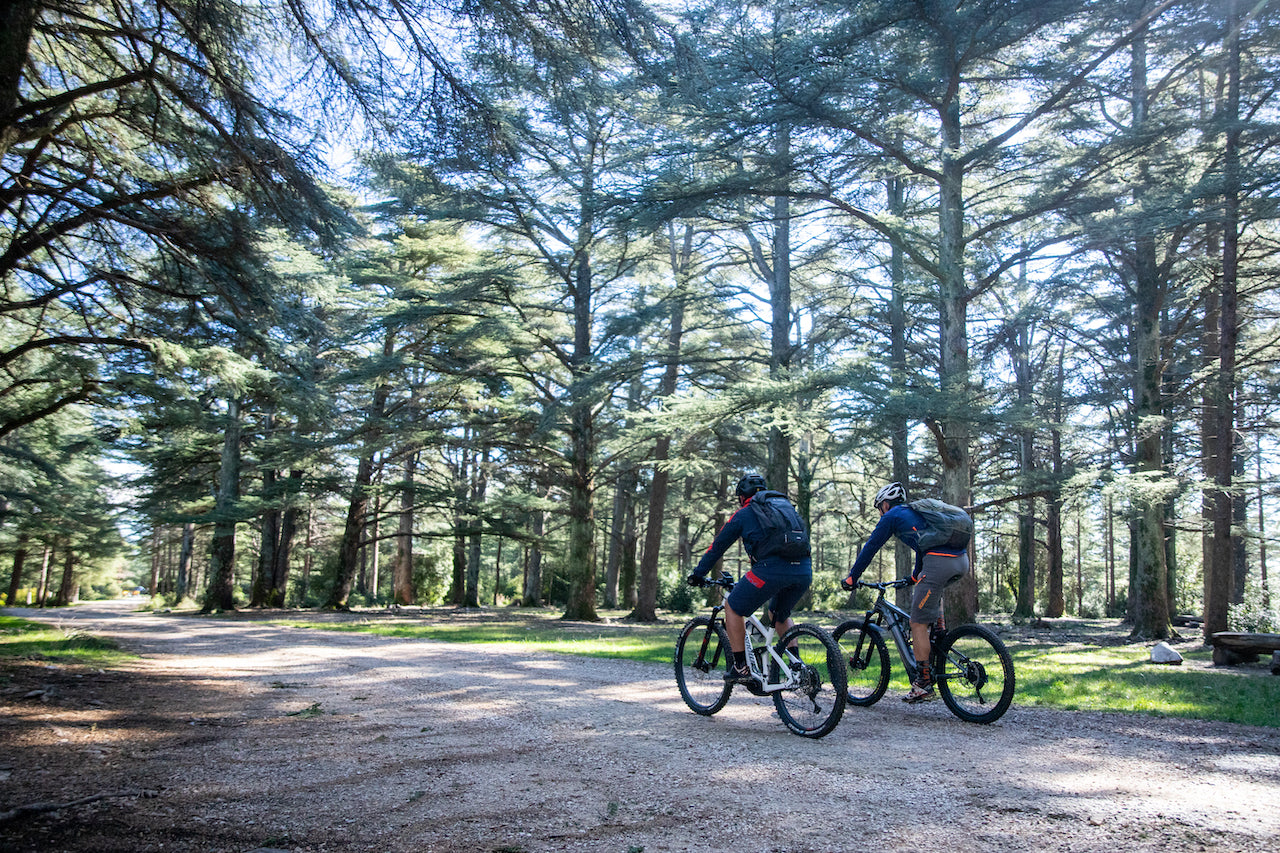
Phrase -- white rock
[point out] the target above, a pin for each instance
(1165, 653)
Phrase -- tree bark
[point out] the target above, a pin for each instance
(358, 507)
(222, 583)
(1149, 610)
(19, 560)
(269, 528)
(68, 590)
(646, 606)
(402, 570)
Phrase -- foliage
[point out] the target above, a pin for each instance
(1254, 615)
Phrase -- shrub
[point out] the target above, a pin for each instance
(1253, 616)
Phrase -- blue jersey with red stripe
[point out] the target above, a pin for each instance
(743, 525)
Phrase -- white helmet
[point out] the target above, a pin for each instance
(893, 493)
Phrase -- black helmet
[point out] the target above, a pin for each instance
(749, 485)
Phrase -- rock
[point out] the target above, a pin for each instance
(1165, 653)
(1275, 663)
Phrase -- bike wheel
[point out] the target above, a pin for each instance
(814, 704)
(974, 672)
(867, 657)
(701, 657)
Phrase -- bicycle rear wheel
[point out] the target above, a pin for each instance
(867, 656)
(702, 652)
(813, 706)
(975, 674)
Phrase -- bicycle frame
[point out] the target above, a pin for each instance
(755, 656)
(898, 627)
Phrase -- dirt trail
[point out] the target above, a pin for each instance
(235, 736)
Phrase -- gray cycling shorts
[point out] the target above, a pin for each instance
(938, 572)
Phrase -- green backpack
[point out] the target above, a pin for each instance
(946, 526)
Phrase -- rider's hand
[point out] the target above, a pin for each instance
(696, 579)
(849, 583)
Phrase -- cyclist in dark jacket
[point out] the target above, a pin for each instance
(934, 570)
(785, 581)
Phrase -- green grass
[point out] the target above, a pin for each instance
(1122, 678)
(20, 638)
(544, 633)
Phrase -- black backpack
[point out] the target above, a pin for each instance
(782, 532)
(946, 526)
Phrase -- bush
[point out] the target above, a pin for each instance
(676, 596)
(1252, 616)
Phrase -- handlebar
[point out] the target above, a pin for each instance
(893, 584)
(725, 581)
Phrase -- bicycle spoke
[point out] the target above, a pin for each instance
(814, 702)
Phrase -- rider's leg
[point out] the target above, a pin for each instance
(920, 643)
(735, 625)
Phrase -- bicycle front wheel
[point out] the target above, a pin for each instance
(867, 656)
(702, 653)
(814, 704)
(975, 674)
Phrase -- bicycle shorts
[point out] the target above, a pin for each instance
(938, 572)
(785, 585)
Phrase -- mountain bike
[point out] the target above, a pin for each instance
(809, 692)
(972, 667)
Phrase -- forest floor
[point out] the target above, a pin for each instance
(230, 735)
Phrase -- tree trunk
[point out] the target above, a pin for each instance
(532, 593)
(269, 526)
(953, 433)
(1148, 592)
(353, 529)
(1056, 605)
(1019, 342)
(182, 584)
(903, 559)
(623, 514)
(479, 485)
(581, 557)
(646, 605)
(42, 593)
(402, 570)
(19, 560)
(17, 17)
(357, 509)
(68, 589)
(222, 555)
(284, 550)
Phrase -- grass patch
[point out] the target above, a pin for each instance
(534, 632)
(1122, 678)
(21, 638)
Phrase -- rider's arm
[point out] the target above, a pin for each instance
(879, 536)
(728, 534)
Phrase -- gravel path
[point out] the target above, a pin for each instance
(250, 735)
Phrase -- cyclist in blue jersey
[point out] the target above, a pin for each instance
(783, 580)
(934, 570)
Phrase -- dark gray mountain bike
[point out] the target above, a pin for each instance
(971, 665)
(809, 693)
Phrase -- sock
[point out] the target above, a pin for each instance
(740, 660)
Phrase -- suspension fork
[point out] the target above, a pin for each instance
(709, 633)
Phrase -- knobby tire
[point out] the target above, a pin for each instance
(699, 674)
(814, 706)
(867, 657)
(975, 674)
